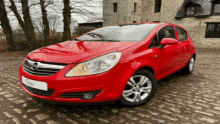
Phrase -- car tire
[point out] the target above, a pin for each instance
(139, 89)
(190, 66)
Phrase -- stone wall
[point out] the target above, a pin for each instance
(145, 13)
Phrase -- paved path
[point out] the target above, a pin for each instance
(179, 99)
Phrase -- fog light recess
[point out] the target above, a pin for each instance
(83, 95)
(88, 96)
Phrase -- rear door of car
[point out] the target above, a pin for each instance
(184, 40)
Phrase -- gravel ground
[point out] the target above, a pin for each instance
(180, 98)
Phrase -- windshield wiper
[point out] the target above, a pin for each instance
(92, 34)
(76, 39)
(104, 40)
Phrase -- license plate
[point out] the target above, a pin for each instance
(35, 84)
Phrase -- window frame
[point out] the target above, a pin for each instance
(213, 7)
(187, 35)
(135, 7)
(214, 30)
(157, 6)
(115, 7)
(196, 8)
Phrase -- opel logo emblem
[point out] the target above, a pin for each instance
(34, 66)
(29, 83)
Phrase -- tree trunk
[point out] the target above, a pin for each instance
(45, 21)
(6, 25)
(66, 20)
(27, 24)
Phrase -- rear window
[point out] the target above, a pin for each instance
(182, 34)
(125, 33)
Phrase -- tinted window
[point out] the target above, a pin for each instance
(166, 32)
(125, 33)
(182, 34)
(154, 42)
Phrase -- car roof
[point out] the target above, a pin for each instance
(159, 24)
(122, 24)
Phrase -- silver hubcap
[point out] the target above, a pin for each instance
(137, 89)
(191, 64)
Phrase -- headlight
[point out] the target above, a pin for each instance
(95, 66)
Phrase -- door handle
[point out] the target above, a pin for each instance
(178, 51)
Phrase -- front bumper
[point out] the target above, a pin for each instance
(111, 84)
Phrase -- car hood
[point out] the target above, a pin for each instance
(76, 51)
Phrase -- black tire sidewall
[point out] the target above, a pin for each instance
(153, 90)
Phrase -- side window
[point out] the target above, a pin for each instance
(166, 32)
(154, 42)
(182, 34)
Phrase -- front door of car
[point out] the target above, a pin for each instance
(165, 57)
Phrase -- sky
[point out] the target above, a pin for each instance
(89, 5)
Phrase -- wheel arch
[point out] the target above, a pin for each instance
(194, 56)
(148, 68)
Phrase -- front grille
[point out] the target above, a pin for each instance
(41, 68)
(49, 92)
(78, 94)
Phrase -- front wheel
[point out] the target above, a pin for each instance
(139, 89)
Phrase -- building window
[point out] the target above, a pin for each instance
(135, 7)
(134, 21)
(191, 9)
(213, 30)
(115, 7)
(216, 7)
(157, 5)
(182, 34)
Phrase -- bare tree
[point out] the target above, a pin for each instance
(73, 25)
(27, 24)
(45, 20)
(66, 20)
(6, 26)
(54, 23)
(79, 7)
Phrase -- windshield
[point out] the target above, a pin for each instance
(125, 33)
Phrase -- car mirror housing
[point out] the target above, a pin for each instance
(168, 41)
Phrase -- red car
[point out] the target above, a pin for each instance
(122, 62)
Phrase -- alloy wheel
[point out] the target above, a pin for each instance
(191, 64)
(138, 88)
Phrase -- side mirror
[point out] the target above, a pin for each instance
(168, 41)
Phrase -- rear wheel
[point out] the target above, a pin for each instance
(190, 66)
(139, 89)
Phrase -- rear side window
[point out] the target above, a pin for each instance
(182, 34)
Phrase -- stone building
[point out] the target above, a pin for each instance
(90, 25)
(200, 17)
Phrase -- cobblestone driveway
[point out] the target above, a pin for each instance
(180, 98)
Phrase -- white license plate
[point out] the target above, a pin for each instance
(35, 84)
